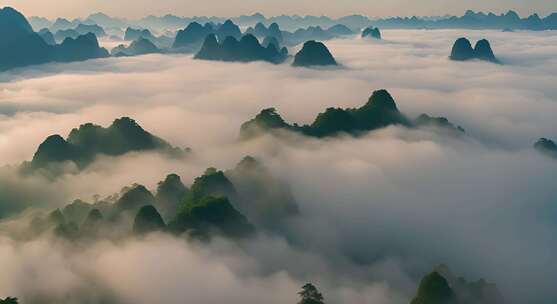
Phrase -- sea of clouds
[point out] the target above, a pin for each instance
(377, 212)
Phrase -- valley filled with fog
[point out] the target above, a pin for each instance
(376, 211)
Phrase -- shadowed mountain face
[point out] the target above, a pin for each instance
(462, 51)
(47, 37)
(246, 50)
(148, 220)
(83, 29)
(20, 46)
(89, 140)
(546, 146)
(133, 199)
(61, 35)
(483, 51)
(194, 35)
(13, 26)
(313, 54)
(228, 29)
(163, 41)
(171, 193)
(81, 48)
(141, 46)
(371, 32)
(132, 34)
(261, 31)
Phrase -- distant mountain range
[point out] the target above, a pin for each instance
(21, 46)
(470, 20)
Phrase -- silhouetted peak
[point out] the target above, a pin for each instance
(134, 198)
(53, 149)
(469, 13)
(534, 17)
(12, 20)
(269, 118)
(85, 39)
(483, 50)
(125, 123)
(314, 53)
(372, 32)
(172, 183)
(260, 27)
(193, 26)
(271, 40)
(147, 220)
(512, 14)
(462, 50)
(274, 28)
(13, 26)
(434, 289)
(382, 99)
(171, 192)
(228, 23)
(249, 40)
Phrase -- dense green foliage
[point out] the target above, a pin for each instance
(434, 289)
(207, 208)
(9, 300)
(380, 111)
(313, 53)
(89, 140)
(212, 183)
(442, 287)
(212, 215)
(310, 295)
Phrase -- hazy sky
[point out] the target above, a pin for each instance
(138, 8)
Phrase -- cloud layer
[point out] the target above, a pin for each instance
(377, 211)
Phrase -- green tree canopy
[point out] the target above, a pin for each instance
(310, 295)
